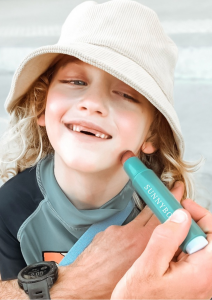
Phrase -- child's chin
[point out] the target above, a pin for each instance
(80, 163)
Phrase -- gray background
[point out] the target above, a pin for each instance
(28, 24)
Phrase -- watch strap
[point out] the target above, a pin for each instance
(37, 290)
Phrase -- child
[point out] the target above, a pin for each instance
(110, 76)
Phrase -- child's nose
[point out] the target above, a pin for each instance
(95, 101)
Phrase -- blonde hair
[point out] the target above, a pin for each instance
(24, 142)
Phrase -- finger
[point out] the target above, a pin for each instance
(178, 190)
(162, 246)
(142, 218)
(177, 253)
(182, 256)
(152, 223)
(199, 214)
(197, 211)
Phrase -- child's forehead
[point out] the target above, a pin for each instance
(67, 59)
(74, 62)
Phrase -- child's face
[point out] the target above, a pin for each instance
(80, 91)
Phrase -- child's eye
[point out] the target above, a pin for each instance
(76, 81)
(69, 81)
(126, 96)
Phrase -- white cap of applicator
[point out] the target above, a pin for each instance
(196, 244)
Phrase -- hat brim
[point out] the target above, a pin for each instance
(113, 62)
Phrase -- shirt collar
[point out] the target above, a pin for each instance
(63, 206)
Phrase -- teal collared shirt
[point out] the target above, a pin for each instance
(56, 224)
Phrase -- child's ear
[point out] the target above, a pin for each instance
(148, 148)
(41, 120)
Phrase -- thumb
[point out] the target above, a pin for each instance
(164, 242)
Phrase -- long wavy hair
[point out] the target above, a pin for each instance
(24, 142)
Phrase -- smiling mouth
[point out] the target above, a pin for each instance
(87, 132)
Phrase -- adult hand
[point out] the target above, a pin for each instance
(155, 275)
(102, 264)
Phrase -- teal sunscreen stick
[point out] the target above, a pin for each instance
(160, 200)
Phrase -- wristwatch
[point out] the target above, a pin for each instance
(37, 279)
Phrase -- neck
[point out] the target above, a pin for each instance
(89, 190)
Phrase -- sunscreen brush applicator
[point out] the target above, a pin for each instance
(159, 199)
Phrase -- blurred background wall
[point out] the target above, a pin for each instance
(29, 24)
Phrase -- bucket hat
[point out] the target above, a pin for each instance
(121, 37)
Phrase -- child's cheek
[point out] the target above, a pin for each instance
(128, 123)
(55, 108)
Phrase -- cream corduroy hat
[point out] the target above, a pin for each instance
(121, 37)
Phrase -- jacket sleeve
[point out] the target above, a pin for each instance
(11, 259)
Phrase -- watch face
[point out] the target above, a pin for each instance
(36, 272)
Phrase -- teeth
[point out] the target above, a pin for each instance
(103, 136)
(78, 128)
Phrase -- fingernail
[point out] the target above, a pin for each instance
(179, 216)
(177, 184)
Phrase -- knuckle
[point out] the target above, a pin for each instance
(98, 236)
(111, 234)
(113, 229)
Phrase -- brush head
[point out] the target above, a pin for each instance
(126, 155)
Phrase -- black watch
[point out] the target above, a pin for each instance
(38, 278)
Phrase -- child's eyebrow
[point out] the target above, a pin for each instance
(77, 62)
(77, 68)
